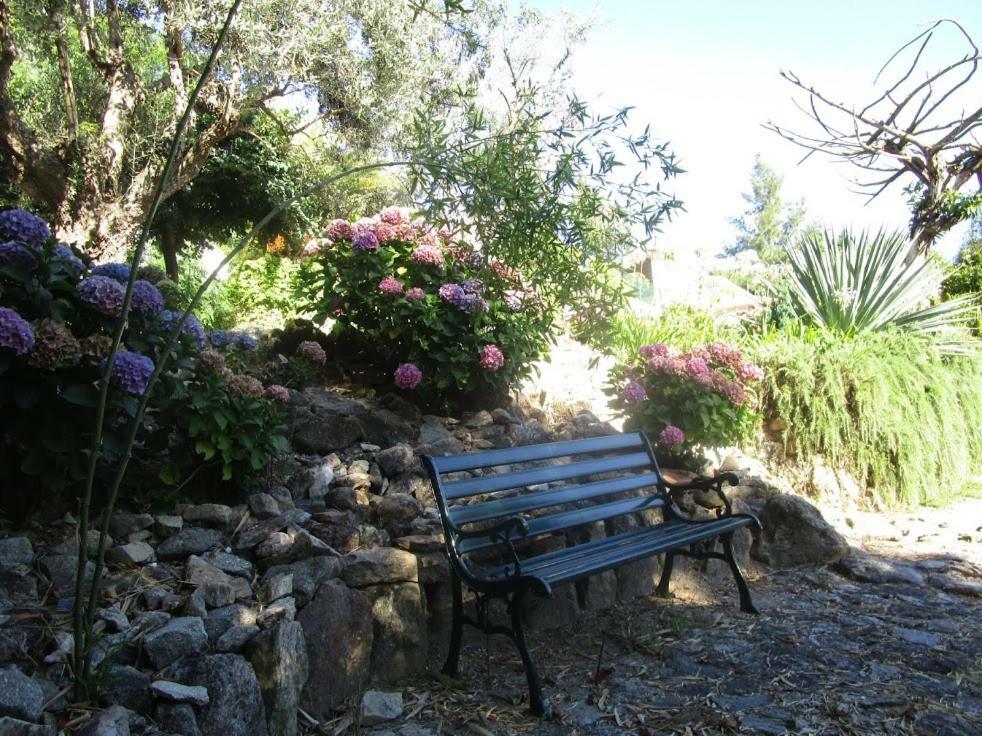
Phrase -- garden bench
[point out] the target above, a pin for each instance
(495, 515)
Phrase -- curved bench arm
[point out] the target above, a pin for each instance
(501, 532)
(714, 484)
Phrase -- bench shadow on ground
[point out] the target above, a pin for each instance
(828, 654)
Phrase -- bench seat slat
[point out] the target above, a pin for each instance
(501, 507)
(522, 478)
(569, 519)
(605, 554)
(529, 453)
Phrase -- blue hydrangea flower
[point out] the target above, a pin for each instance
(102, 292)
(219, 338)
(131, 372)
(17, 255)
(473, 286)
(21, 225)
(66, 256)
(246, 341)
(168, 318)
(116, 271)
(147, 299)
(15, 332)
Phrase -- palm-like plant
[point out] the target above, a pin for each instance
(852, 284)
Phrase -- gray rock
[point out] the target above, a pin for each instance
(263, 506)
(396, 512)
(321, 478)
(69, 546)
(276, 586)
(123, 524)
(208, 514)
(189, 541)
(399, 636)
(221, 620)
(236, 638)
(114, 721)
(479, 419)
(279, 658)
(20, 696)
(229, 563)
(379, 707)
(432, 432)
(326, 433)
(149, 620)
(114, 618)
(337, 626)
(178, 718)
(16, 551)
(167, 526)
(869, 569)
(258, 533)
(795, 533)
(396, 460)
(175, 692)
(348, 498)
(16, 727)
(530, 433)
(380, 565)
(217, 595)
(127, 686)
(236, 705)
(277, 544)
(134, 553)
(282, 496)
(60, 569)
(161, 599)
(218, 587)
(307, 575)
(284, 609)
(923, 638)
(180, 637)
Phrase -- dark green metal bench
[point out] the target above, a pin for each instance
(492, 516)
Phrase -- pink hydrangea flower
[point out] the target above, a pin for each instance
(415, 294)
(312, 351)
(389, 285)
(634, 392)
(671, 437)
(244, 385)
(339, 230)
(365, 240)
(492, 358)
(734, 393)
(428, 255)
(696, 367)
(723, 353)
(445, 232)
(385, 232)
(394, 215)
(655, 349)
(408, 376)
(749, 372)
(277, 393)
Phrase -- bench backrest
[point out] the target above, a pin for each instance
(510, 482)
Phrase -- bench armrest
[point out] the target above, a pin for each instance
(499, 531)
(714, 484)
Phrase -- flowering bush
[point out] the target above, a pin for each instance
(57, 316)
(686, 401)
(420, 312)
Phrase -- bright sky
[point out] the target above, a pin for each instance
(704, 73)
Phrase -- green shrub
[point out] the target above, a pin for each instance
(900, 417)
(680, 326)
(687, 402)
(966, 279)
(408, 301)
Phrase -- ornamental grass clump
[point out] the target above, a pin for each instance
(688, 402)
(417, 311)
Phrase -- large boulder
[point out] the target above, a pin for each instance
(279, 657)
(235, 706)
(178, 638)
(399, 622)
(338, 626)
(326, 433)
(20, 696)
(380, 565)
(795, 533)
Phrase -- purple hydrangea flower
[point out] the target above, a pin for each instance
(246, 341)
(415, 294)
(389, 285)
(671, 437)
(408, 376)
(21, 225)
(101, 292)
(749, 372)
(168, 318)
(491, 358)
(66, 256)
(654, 350)
(634, 392)
(15, 332)
(131, 372)
(473, 286)
(365, 240)
(514, 300)
(696, 367)
(277, 393)
(17, 255)
(146, 298)
(734, 393)
(219, 338)
(116, 271)
(452, 293)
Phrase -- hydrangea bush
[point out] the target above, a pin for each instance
(57, 315)
(422, 312)
(688, 402)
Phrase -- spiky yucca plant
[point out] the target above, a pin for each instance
(856, 283)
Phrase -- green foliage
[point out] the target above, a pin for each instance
(966, 278)
(679, 325)
(215, 310)
(768, 226)
(899, 416)
(707, 392)
(261, 291)
(545, 190)
(849, 284)
(444, 338)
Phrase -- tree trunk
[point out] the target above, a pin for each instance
(170, 243)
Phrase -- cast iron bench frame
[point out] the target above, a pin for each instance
(513, 581)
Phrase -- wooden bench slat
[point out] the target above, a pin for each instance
(501, 507)
(569, 519)
(529, 453)
(523, 478)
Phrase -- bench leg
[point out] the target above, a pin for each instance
(451, 666)
(746, 603)
(537, 704)
(666, 576)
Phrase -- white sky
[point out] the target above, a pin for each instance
(705, 75)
